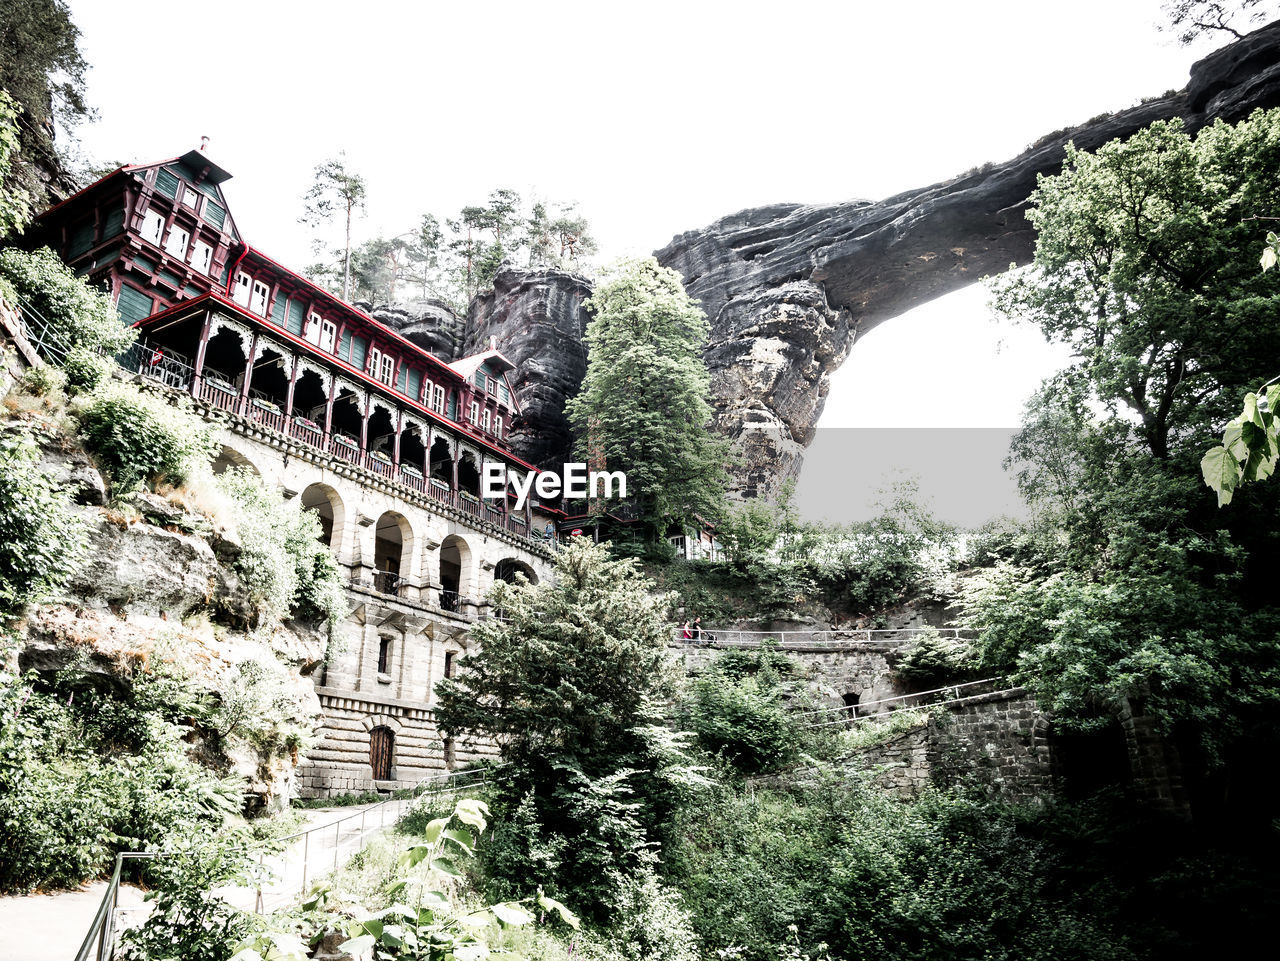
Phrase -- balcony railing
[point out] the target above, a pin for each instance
(450, 601)
(387, 582)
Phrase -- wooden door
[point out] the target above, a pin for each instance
(382, 742)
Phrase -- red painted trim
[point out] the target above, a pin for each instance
(339, 363)
(378, 327)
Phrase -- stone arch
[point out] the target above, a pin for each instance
(507, 568)
(393, 542)
(228, 457)
(327, 503)
(457, 566)
(370, 721)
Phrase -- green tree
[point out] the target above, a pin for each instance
(42, 70)
(15, 201)
(335, 190)
(645, 402)
(568, 684)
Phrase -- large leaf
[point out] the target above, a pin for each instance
(463, 839)
(358, 947)
(551, 904)
(1221, 472)
(473, 812)
(512, 914)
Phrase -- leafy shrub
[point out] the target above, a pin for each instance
(139, 439)
(85, 370)
(41, 539)
(648, 923)
(284, 564)
(78, 315)
(43, 381)
(743, 720)
(934, 660)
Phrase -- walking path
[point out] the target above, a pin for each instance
(50, 927)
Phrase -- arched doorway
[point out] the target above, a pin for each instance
(324, 500)
(455, 572)
(391, 546)
(229, 458)
(382, 752)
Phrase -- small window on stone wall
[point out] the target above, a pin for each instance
(448, 663)
(384, 655)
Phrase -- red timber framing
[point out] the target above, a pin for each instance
(246, 335)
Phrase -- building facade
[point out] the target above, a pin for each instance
(387, 442)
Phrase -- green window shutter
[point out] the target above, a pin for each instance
(297, 316)
(114, 223)
(133, 304)
(278, 308)
(453, 406)
(359, 352)
(81, 239)
(414, 384)
(503, 393)
(480, 378)
(167, 182)
(172, 280)
(402, 378)
(215, 214)
(344, 345)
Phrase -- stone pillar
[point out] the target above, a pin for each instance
(1154, 763)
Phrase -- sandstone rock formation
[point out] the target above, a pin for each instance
(431, 324)
(789, 287)
(537, 320)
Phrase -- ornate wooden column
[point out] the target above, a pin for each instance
(293, 382)
(395, 453)
(248, 375)
(198, 376)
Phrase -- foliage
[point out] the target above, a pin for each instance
(43, 72)
(188, 920)
(283, 562)
(85, 772)
(1141, 268)
(43, 381)
(254, 704)
(77, 315)
(872, 877)
(335, 190)
(738, 708)
(1250, 446)
(933, 659)
(645, 403)
(15, 201)
(567, 686)
(85, 370)
(139, 438)
(41, 539)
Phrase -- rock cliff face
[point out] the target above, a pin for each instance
(431, 324)
(538, 322)
(789, 288)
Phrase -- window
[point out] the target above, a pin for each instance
(487, 420)
(375, 361)
(448, 663)
(201, 257)
(328, 334)
(190, 199)
(475, 412)
(152, 226)
(439, 404)
(244, 286)
(491, 386)
(384, 656)
(497, 425)
(388, 373)
(258, 303)
(314, 323)
(177, 242)
(428, 393)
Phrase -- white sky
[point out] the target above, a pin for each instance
(656, 118)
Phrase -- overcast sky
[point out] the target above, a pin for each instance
(655, 118)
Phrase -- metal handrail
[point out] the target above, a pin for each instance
(415, 793)
(838, 637)
(103, 927)
(849, 708)
(950, 702)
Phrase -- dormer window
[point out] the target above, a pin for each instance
(190, 199)
(176, 245)
(152, 226)
(244, 287)
(258, 302)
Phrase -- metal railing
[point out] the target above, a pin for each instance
(100, 941)
(323, 846)
(837, 638)
(821, 717)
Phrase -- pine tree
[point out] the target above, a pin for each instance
(645, 401)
